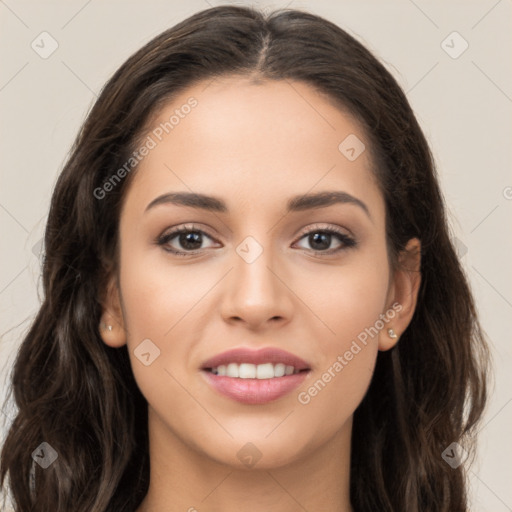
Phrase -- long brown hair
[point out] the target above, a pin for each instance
(79, 395)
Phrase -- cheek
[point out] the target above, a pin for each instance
(160, 302)
(331, 396)
(351, 301)
(348, 298)
(157, 288)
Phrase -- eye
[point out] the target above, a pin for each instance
(320, 240)
(188, 238)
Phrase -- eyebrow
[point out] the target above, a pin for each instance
(295, 204)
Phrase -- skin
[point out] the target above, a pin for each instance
(254, 146)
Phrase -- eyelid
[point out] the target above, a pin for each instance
(304, 231)
(350, 240)
(176, 230)
(185, 227)
(325, 227)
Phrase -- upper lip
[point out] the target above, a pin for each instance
(251, 356)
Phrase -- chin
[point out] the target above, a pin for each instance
(246, 452)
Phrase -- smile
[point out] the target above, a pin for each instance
(253, 371)
(255, 377)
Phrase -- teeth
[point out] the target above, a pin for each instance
(279, 370)
(264, 371)
(247, 371)
(253, 371)
(232, 370)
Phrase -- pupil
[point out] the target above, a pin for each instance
(316, 237)
(187, 239)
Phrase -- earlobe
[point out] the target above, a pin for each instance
(112, 333)
(111, 326)
(388, 339)
(404, 290)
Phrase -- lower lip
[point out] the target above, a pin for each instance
(255, 391)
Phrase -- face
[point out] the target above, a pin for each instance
(259, 276)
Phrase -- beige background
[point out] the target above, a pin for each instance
(464, 105)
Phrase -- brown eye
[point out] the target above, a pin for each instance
(320, 240)
(183, 241)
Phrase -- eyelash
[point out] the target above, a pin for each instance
(347, 241)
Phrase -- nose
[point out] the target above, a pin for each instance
(257, 291)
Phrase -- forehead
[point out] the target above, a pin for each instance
(257, 142)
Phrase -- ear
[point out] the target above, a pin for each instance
(403, 294)
(112, 326)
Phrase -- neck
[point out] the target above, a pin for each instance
(183, 479)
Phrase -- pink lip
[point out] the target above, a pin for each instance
(255, 391)
(264, 355)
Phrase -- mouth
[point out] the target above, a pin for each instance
(255, 377)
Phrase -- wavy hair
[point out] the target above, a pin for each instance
(80, 396)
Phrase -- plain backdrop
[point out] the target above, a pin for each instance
(453, 59)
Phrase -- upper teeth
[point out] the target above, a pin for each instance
(253, 371)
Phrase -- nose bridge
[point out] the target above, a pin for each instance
(252, 263)
(255, 293)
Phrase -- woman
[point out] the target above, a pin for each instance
(251, 297)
